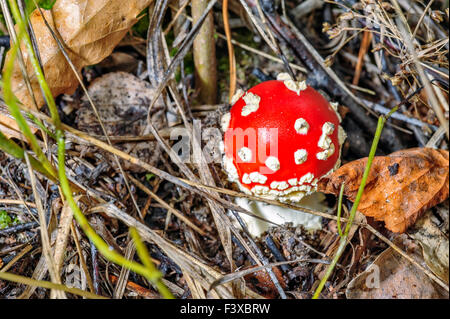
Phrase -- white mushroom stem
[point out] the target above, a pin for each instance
(280, 215)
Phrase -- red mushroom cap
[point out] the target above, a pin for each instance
(280, 138)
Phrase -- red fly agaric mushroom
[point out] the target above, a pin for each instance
(280, 138)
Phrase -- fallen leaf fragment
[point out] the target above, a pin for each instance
(393, 277)
(122, 101)
(90, 30)
(434, 245)
(260, 281)
(400, 187)
(137, 289)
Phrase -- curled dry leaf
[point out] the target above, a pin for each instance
(122, 100)
(400, 187)
(393, 277)
(90, 29)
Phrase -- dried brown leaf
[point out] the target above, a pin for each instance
(122, 100)
(261, 281)
(393, 277)
(90, 29)
(400, 187)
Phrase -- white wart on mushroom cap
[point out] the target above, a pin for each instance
(280, 138)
